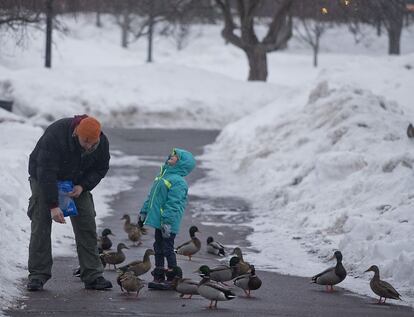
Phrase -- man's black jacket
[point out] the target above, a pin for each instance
(58, 156)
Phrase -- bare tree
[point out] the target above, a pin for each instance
(382, 13)
(312, 24)
(278, 33)
(16, 15)
(391, 14)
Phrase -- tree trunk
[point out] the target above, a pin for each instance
(257, 62)
(379, 28)
(49, 28)
(394, 37)
(315, 55)
(150, 32)
(98, 19)
(125, 29)
(395, 25)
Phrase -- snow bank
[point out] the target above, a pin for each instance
(141, 96)
(335, 174)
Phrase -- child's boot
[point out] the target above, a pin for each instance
(159, 279)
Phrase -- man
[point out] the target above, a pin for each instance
(72, 149)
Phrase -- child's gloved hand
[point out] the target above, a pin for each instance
(141, 220)
(166, 231)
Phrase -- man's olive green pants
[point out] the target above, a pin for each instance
(84, 228)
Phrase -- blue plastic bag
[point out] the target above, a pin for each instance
(66, 203)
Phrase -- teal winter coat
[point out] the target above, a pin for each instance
(167, 199)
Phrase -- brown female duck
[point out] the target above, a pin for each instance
(129, 282)
(382, 288)
(243, 266)
(139, 267)
(114, 258)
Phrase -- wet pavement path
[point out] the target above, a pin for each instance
(280, 295)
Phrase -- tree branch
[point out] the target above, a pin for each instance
(279, 31)
(228, 30)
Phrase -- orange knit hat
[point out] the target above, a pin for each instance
(89, 129)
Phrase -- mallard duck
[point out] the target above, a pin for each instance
(104, 243)
(184, 286)
(243, 266)
(139, 267)
(222, 273)
(134, 231)
(382, 288)
(130, 282)
(134, 235)
(410, 131)
(215, 247)
(212, 290)
(191, 247)
(248, 282)
(128, 225)
(114, 258)
(333, 275)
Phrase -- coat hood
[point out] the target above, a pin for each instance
(185, 164)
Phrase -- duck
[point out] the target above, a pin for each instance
(333, 275)
(128, 225)
(104, 243)
(129, 282)
(215, 247)
(382, 288)
(222, 273)
(190, 247)
(184, 286)
(134, 235)
(211, 290)
(114, 258)
(243, 266)
(248, 282)
(139, 267)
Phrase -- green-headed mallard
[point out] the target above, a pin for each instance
(190, 247)
(382, 288)
(139, 267)
(114, 258)
(215, 247)
(222, 273)
(104, 243)
(184, 286)
(333, 275)
(243, 266)
(249, 281)
(130, 282)
(211, 290)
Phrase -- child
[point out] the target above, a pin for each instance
(164, 209)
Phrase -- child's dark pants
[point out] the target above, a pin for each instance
(164, 247)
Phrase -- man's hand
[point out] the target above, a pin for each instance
(166, 231)
(77, 190)
(57, 215)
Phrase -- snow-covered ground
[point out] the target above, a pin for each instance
(321, 154)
